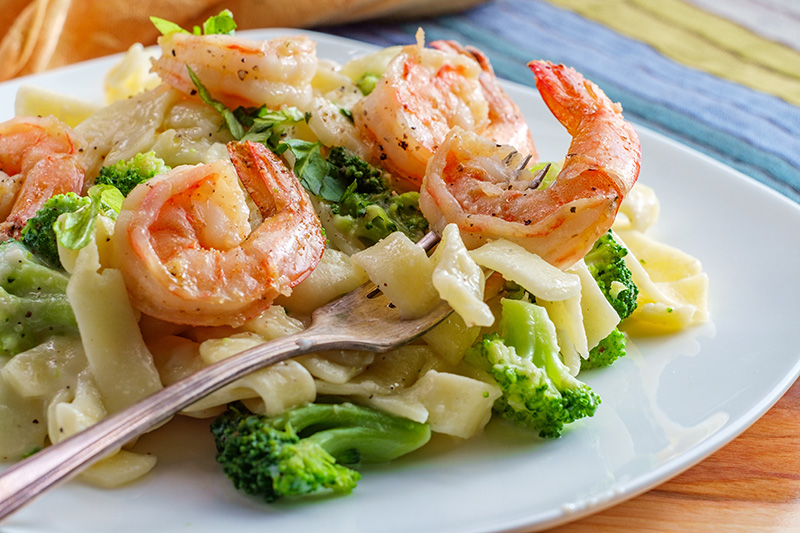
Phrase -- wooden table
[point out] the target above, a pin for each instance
(752, 484)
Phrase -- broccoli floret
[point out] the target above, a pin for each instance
(607, 265)
(368, 210)
(352, 168)
(404, 210)
(33, 301)
(126, 175)
(371, 217)
(303, 451)
(69, 220)
(38, 235)
(606, 352)
(538, 391)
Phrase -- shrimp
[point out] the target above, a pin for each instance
(184, 245)
(239, 71)
(476, 184)
(423, 94)
(506, 123)
(39, 158)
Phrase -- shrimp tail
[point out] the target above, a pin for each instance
(286, 209)
(594, 122)
(479, 185)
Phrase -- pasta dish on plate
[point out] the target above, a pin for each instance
(229, 187)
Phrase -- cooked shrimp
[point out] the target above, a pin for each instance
(506, 123)
(423, 94)
(476, 184)
(39, 158)
(184, 245)
(239, 71)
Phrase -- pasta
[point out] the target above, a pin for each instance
(673, 295)
(334, 276)
(403, 272)
(161, 120)
(121, 354)
(131, 75)
(121, 364)
(459, 280)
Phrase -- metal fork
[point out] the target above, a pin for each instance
(363, 319)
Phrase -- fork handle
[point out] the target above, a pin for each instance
(27, 479)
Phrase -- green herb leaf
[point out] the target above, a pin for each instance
(235, 127)
(74, 230)
(313, 170)
(221, 24)
(276, 120)
(289, 114)
(109, 197)
(166, 27)
(265, 126)
(347, 113)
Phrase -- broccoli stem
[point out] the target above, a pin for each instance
(372, 444)
(530, 331)
(33, 301)
(341, 428)
(303, 450)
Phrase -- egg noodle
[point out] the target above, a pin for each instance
(123, 352)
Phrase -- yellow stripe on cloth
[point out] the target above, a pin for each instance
(701, 40)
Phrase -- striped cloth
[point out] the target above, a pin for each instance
(720, 76)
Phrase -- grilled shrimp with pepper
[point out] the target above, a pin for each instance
(484, 189)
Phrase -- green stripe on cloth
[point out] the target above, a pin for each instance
(701, 40)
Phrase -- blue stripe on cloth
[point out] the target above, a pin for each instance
(753, 132)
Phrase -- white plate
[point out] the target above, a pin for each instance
(670, 403)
